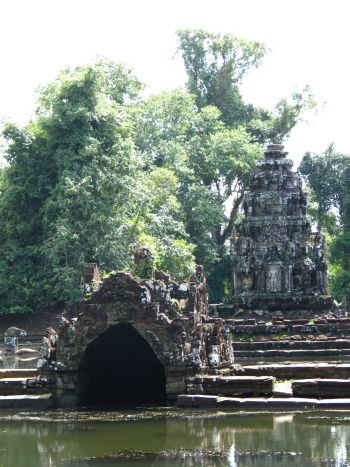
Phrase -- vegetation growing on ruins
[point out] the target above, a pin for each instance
(100, 171)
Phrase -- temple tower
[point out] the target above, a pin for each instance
(277, 261)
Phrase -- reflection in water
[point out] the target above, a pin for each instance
(173, 438)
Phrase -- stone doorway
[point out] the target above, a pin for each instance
(120, 368)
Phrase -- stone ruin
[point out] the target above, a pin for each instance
(148, 338)
(277, 261)
(136, 340)
(91, 278)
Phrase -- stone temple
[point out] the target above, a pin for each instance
(146, 339)
(277, 261)
(135, 341)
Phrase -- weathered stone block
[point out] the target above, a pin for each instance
(238, 385)
(322, 388)
(200, 400)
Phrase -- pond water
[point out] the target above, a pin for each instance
(172, 437)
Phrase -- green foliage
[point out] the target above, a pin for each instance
(274, 126)
(328, 176)
(340, 265)
(100, 172)
(340, 285)
(216, 64)
(340, 249)
(144, 264)
(160, 224)
(67, 193)
(212, 165)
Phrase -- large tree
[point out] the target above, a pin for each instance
(67, 193)
(211, 163)
(77, 190)
(216, 65)
(212, 140)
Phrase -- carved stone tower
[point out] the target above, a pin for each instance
(277, 261)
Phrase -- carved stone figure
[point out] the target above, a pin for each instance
(273, 278)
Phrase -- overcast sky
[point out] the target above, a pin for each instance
(308, 40)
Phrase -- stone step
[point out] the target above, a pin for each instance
(315, 353)
(25, 401)
(18, 373)
(337, 328)
(238, 385)
(298, 370)
(292, 344)
(321, 388)
(311, 320)
(11, 386)
(260, 403)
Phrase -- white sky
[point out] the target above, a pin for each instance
(309, 42)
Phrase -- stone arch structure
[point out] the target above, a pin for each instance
(171, 317)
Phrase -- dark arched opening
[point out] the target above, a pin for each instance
(120, 368)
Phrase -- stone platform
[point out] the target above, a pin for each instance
(25, 401)
(237, 385)
(262, 403)
(336, 327)
(284, 302)
(297, 370)
(290, 339)
(18, 373)
(11, 386)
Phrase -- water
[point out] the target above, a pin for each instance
(170, 437)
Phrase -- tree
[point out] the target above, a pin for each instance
(216, 64)
(160, 223)
(211, 163)
(77, 190)
(328, 176)
(25, 183)
(67, 193)
(211, 140)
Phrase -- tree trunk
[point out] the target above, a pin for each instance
(233, 216)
